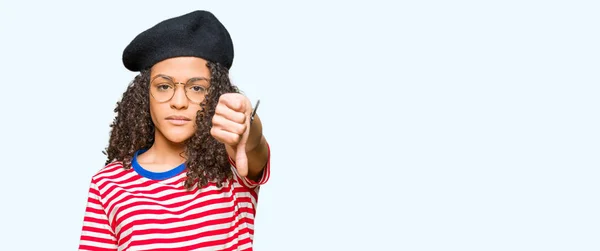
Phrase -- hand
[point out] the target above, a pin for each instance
(231, 126)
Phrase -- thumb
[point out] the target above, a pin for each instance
(241, 159)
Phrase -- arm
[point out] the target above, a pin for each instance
(96, 233)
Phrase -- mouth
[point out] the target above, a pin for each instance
(174, 117)
(178, 120)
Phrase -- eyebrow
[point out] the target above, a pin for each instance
(171, 78)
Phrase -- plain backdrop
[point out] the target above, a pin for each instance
(399, 125)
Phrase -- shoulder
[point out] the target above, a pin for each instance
(112, 169)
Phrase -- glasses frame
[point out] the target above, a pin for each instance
(175, 83)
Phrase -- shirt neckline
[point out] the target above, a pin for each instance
(154, 175)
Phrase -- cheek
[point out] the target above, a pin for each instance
(154, 113)
(195, 112)
(158, 113)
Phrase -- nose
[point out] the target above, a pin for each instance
(179, 100)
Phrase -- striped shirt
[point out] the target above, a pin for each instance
(137, 209)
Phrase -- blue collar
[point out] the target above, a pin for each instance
(154, 175)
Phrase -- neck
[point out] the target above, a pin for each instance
(165, 152)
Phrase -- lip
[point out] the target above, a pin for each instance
(178, 120)
(178, 117)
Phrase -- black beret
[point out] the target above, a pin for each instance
(198, 34)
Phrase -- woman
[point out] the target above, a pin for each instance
(186, 155)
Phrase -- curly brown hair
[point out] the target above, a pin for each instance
(132, 130)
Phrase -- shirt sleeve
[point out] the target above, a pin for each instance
(266, 173)
(96, 234)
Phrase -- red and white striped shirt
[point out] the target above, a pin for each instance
(137, 209)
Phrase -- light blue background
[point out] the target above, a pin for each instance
(411, 125)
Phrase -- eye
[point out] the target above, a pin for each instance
(163, 87)
(197, 88)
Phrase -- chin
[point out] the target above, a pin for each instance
(177, 135)
(178, 138)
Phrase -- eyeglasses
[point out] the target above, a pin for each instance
(162, 88)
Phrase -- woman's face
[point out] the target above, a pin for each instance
(173, 111)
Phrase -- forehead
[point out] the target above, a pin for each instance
(181, 68)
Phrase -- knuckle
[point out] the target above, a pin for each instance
(215, 120)
(235, 138)
(242, 129)
(240, 117)
(219, 108)
(213, 132)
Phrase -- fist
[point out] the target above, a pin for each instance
(231, 124)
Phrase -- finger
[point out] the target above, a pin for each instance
(228, 125)
(225, 137)
(230, 114)
(241, 160)
(233, 101)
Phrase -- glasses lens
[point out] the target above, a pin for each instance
(162, 90)
(196, 90)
